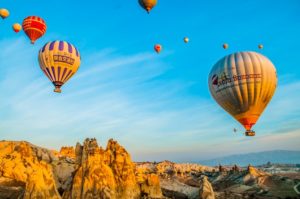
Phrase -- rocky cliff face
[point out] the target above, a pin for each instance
(25, 171)
(108, 173)
(206, 190)
(67, 151)
(88, 171)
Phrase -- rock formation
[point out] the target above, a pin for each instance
(103, 173)
(67, 151)
(88, 171)
(206, 190)
(149, 183)
(26, 168)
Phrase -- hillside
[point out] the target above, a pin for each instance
(276, 156)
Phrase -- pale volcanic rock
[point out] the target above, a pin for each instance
(103, 173)
(26, 167)
(67, 151)
(149, 183)
(206, 190)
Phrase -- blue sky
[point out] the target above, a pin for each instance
(157, 106)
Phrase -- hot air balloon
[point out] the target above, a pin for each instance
(157, 48)
(59, 60)
(225, 46)
(4, 13)
(186, 40)
(243, 84)
(148, 4)
(34, 27)
(17, 27)
(260, 46)
(235, 130)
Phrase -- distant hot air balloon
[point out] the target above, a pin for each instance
(17, 27)
(34, 27)
(225, 46)
(148, 4)
(243, 84)
(4, 13)
(260, 46)
(59, 61)
(157, 48)
(186, 40)
(235, 130)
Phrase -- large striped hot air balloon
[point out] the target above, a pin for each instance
(243, 84)
(59, 60)
(34, 27)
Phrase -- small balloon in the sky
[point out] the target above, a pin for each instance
(4, 13)
(225, 46)
(148, 4)
(34, 27)
(157, 48)
(186, 40)
(260, 46)
(17, 27)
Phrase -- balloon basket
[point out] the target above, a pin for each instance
(250, 133)
(57, 90)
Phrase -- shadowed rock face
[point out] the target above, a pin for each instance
(25, 171)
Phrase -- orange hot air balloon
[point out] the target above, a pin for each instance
(34, 27)
(148, 4)
(4, 13)
(243, 84)
(225, 46)
(157, 48)
(17, 27)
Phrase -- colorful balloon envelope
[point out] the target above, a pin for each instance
(59, 60)
(17, 27)
(243, 84)
(4, 13)
(157, 48)
(34, 27)
(148, 4)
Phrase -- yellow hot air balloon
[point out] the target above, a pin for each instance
(186, 40)
(148, 4)
(243, 84)
(225, 46)
(59, 60)
(4, 13)
(260, 46)
(17, 27)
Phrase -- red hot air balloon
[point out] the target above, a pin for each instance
(34, 27)
(157, 48)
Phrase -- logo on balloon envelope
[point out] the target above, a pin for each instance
(64, 59)
(224, 81)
